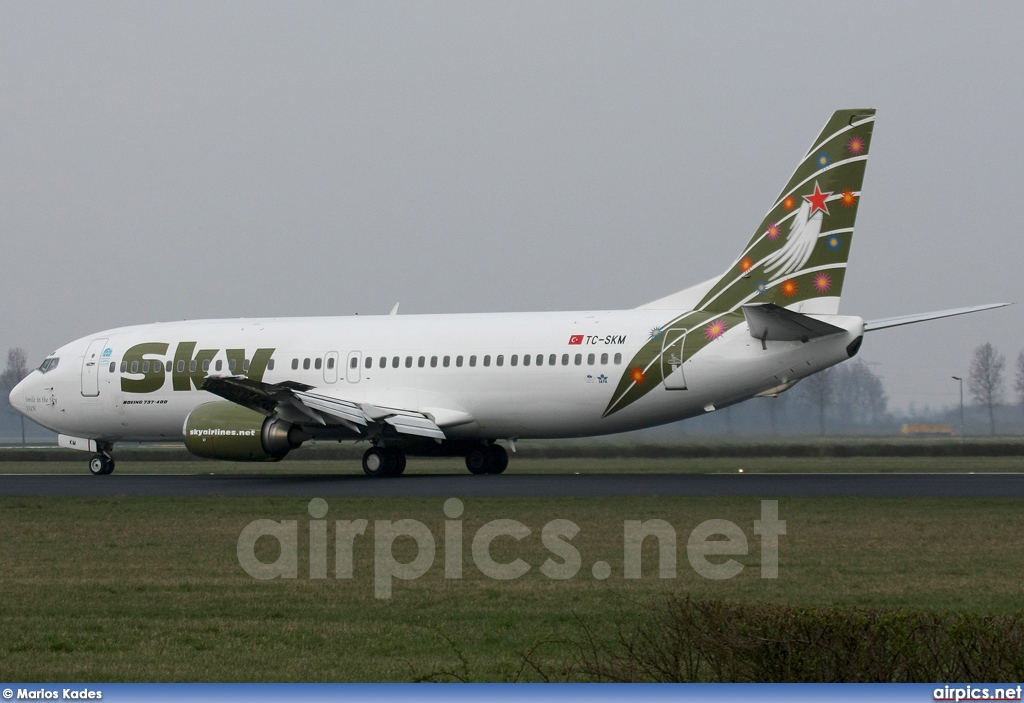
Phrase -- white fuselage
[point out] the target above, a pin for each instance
(566, 394)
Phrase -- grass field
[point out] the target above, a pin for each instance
(520, 464)
(151, 588)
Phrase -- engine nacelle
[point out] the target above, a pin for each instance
(230, 432)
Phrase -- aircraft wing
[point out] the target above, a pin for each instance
(872, 325)
(297, 402)
(773, 323)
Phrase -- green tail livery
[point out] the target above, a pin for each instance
(796, 257)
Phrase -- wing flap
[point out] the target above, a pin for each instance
(773, 323)
(301, 403)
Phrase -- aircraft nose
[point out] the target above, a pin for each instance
(17, 396)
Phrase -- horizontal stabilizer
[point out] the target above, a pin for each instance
(773, 323)
(872, 325)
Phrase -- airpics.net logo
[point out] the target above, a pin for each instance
(710, 547)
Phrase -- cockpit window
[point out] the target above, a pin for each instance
(49, 364)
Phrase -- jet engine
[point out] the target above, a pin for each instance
(230, 432)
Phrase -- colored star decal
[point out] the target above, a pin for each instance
(638, 375)
(817, 200)
(655, 333)
(762, 288)
(774, 231)
(855, 145)
(789, 203)
(789, 288)
(716, 329)
(822, 282)
(834, 242)
(746, 264)
(849, 198)
(823, 160)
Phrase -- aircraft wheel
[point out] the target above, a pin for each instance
(500, 459)
(480, 460)
(379, 462)
(399, 462)
(101, 465)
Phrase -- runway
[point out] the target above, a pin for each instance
(512, 485)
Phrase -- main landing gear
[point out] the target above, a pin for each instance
(380, 461)
(492, 459)
(101, 464)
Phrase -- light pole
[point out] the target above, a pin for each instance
(957, 378)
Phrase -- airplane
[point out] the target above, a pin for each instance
(456, 384)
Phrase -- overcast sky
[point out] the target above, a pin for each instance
(162, 161)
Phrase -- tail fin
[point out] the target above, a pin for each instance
(797, 257)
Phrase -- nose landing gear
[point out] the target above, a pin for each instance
(101, 464)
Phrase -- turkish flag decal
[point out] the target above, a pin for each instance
(576, 339)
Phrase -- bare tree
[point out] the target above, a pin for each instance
(17, 369)
(819, 390)
(860, 396)
(1019, 384)
(986, 380)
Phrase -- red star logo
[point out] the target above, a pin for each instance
(817, 200)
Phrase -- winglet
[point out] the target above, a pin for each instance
(394, 310)
(873, 325)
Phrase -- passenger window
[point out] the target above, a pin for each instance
(579, 359)
(394, 362)
(245, 365)
(192, 365)
(318, 362)
(181, 366)
(472, 360)
(220, 364)
(421, 361)
(590, 359)
(135, 367)
(330, 363)
(145, 366)
(295, 364)
(408, 362)
(446, 361)
(487, 359)
(114, 366)
(353, 362)
(552, 359)
(540, 360)
(305, 364)
(433, 362)
(604, 359)
(383, 362)
(270, 365)
(565, 359)
(499, 360)
(514, 361)
(368, 363)
(458, 361)
(618, 359)
(124, 366)
(206, 364)
(526, 359)
(232, 364)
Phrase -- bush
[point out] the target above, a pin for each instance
(685, 640)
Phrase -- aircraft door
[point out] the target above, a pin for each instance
(672, 360)
(331, 367)
(91, 368)
(352, 367)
